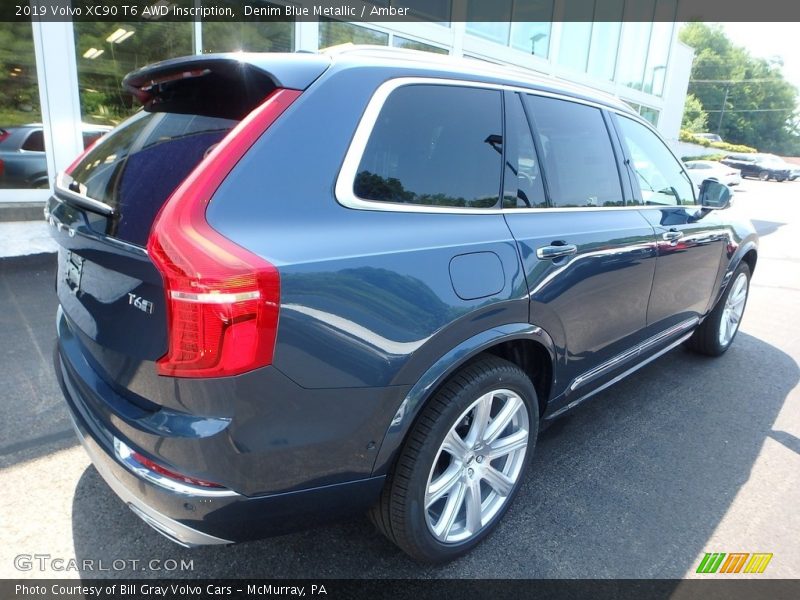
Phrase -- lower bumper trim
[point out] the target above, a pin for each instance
(169, 528)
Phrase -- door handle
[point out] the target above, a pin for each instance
(672, 235)
(556, 251)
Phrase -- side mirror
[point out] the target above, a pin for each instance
(713, 194)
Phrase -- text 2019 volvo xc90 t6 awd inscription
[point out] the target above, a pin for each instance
(297, 286)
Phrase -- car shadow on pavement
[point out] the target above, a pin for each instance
(631, 485)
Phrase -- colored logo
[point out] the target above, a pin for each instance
(734, 562)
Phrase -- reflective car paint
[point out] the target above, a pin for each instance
(371, 319)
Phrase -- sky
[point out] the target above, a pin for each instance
(766, 40)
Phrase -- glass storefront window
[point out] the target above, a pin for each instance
(605, 38)
(635, 42)
(22, 149)
(106, 52)
(573, 52)
(494, 31)
(437, 10)
(651, 114)
(660, 42)
(401, 42)
(530, 31)
(333, 33)
(531, 37)
(248, 36)
(603, 50)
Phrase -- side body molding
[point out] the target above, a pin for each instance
(421, 391)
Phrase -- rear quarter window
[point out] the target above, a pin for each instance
(435, 145)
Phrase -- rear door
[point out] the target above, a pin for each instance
(589, 260)
(690, 241)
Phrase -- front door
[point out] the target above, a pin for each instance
(690, 240)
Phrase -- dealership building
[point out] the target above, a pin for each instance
(67, 75)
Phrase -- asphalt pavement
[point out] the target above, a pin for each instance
(687, 456)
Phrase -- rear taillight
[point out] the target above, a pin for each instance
(2, 167)
(222, 300)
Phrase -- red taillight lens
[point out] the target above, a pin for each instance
(154, 466)
(2, 167)
(222, 300)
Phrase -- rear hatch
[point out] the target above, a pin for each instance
(112, 295)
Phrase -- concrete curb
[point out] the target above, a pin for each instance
(21, 211)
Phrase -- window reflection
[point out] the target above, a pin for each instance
(401, 42)
(106, 52)
(333, 33)
(248, 36)
(22, 149)
(434, 145)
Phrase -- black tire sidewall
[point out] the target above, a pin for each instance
(507, 376)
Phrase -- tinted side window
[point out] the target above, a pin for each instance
(523, 179)
(577, 156)
(34, 142)
(660, 176)
(435, 145)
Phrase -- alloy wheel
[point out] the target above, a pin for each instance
(734, 308)
(477, 466)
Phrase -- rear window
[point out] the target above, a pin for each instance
(435, 145)
(138, 165)
(34, 142)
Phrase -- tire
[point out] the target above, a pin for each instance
(763, 176)
(712, 338)
(444, 446)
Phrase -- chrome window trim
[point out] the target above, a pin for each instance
(345, 194)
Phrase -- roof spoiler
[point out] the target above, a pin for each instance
(224, 85)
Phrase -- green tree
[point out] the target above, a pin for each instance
(760, 106)
(695, 118)
(19, 87)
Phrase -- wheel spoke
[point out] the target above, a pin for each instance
(723, 328)
(480, 418)
(503, 418)
(443, 484)
(450, 511)
(473, 506)
(454, 445)
(508, 444)
(499, 482)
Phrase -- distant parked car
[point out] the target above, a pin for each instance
(711, 137)
(763, 166)
(700, 170)
(22, 155)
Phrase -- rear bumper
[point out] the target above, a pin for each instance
(170, 528)
(194, 519)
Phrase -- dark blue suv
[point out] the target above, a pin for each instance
(297, 286)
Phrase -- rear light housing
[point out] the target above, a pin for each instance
(222, 300)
